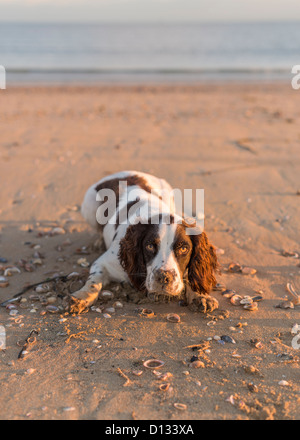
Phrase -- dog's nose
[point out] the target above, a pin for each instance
(165, 276)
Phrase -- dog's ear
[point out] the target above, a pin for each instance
(203, 264)
(131, 256)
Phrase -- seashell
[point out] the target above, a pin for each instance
(285, 305)
(165, 376)
(256, 343)
(52, 309)
(295, 329)
(228, 293)
(4, 284)
(283, 383)
(234, 267)
(57, 231)
(217, 338)
(180, 406)
(235, 300)
(37, 261)
(219, 251)
(248, 270)
(137, 372)
(106, 295)
(43, 312)
(30, 371)
(257, 298)
(10, 270)
(219, 287)
(118, 305)
(10, 307)
(83, 262)
(164, 386)
(42, 288)
(13, 312)
(153, 363)
(251, 307)
(290, 254)
(252, 387)
(110, 310)
(228, 339)
(197, 364)
(246, 301)
(106, 315)
(147, 312)
(172, 317)
(3, 279)
(295, 295)
(34, 298)
(73, 275)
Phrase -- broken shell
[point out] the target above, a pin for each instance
(164, 386)
(251, 307)
(292, 291)
(153, 363)
(172, 317)
(10, 270)
(106, 315)
(83, 262)
(290, 254)
(52, 309)
(285, 305)
(234, 267)
(73, 275)
(228, 339)
(283, 383)
(165, 376)
(228, 293)
(246, 301)
(147, 312)
(42, 288)
(257, 298)
(197, 364)
(235, 300)
(137, 372)
(248, 270)
(118, 305)
(180, 406)
(107, 295)
(110, 310)
(295, 329)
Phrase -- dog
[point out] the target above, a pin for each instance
(149, 248)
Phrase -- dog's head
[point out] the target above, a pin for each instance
(156, 258)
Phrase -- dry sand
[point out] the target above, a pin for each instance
(238, 142)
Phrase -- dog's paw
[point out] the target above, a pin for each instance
(204, 304)
(78, 306)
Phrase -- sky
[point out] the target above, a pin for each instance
(149, 10)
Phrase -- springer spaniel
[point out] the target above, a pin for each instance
(147, 243)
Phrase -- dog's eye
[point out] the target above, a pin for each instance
(150, 247)
(183, 250)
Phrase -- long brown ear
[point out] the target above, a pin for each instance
(131, 256)
(203, 264)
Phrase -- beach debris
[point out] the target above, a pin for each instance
(164, 376)
(110, 310)
(228, 293)
(256, 343)
(106, 295)
(228, 339)
(164, 387)
(236, 300)
(251, 307)
(237, 268)
(219, 251)
(153, 364)
(4, 284)
(246, 300)
(30, 371)
(118, 305)
(180, 406)
(230, 399)
(29, 341)
(257, 298)
(252, 387)
(106, 315)
(285, 305)
(69, 408)
(147, 312)
(219, 287)
(290, 254)
(11, 270)
(57, 231)
(128, 381)
(137, 372)
(83, 262)
(173, 317)
(295, 329)
(197, 364)
(52, 309)
(250, 369)
(293, 293)
(283, 383)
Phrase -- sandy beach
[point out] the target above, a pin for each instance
(240, 142)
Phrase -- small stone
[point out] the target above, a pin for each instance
(283, 383)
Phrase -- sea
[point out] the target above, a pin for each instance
(149, 52)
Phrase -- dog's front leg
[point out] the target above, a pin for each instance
(88, 294)
(200, 302)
